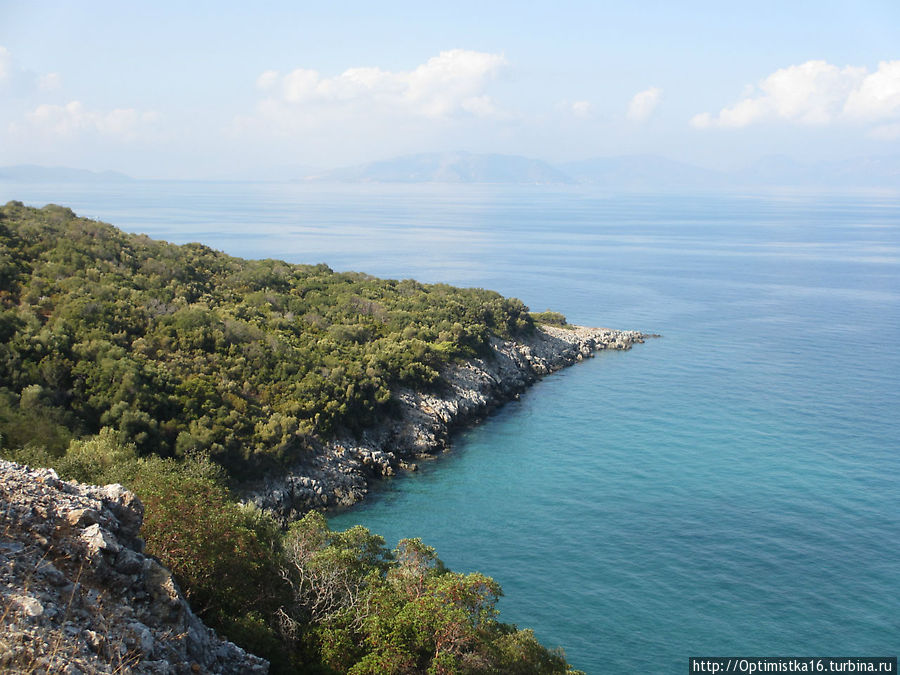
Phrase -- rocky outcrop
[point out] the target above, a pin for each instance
(338, 474)
(78, 595)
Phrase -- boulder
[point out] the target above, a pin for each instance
(78, 595)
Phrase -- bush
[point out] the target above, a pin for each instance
(549, 318)
(98, 460)
(182, 348)
(206, 540)
(182, 351)
(360, 609)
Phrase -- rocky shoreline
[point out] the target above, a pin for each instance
(339, 473)
(78, 594)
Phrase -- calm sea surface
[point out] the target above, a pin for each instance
(732, 488)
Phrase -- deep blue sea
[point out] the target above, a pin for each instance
(732, 488)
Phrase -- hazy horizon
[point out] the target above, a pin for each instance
(624, 173)
(214, 89)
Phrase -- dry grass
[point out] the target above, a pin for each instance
(28, 648)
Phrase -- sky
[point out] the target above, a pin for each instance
(222, 89)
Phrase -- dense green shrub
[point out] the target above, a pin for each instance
(181, 361)
(308, 599)
(225, 556)
(181, 348)
(358, 608)
(549, 318)
(98, 460)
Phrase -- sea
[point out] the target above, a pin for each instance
(729, 489)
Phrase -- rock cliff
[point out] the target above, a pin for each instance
(338, 474)
(77, 594)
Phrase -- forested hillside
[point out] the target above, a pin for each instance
(183, 348)
(128, 360)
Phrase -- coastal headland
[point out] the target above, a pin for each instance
(341, 472)
(304, 384)
(184, 379)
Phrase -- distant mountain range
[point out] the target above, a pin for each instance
(630, 173)
(456, 167)
(31, 173)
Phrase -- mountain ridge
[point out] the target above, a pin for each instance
(637, 172)
(456, 167)
(52, 174)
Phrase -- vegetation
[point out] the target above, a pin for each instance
(172, 369)
(308, 599)
(183, 349)
(549, 318)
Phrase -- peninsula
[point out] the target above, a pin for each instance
(237, 399)
(301, 382)
(340, 473)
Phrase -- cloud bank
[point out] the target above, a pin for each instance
(643, 104)
(35, 122)
(817, 93)
(18, 82)
(73, 119)
(451, 83)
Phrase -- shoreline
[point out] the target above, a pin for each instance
(341, 471)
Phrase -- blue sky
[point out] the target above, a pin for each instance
(213, 89)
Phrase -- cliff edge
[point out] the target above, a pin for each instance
(339, 472)
(78, 595)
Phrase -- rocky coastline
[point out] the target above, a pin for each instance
(339, 473)
(78, 595)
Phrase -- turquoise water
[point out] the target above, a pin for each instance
(732, 488)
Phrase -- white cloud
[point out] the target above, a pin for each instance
(451, 83)
(878, 97)
(702, 121)
(267, 80)
(582, 109)
(21, 82)
(643, 104)
(815, 93)
(301, 84)
(481, 106)
(365, 112)
(73, 119)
